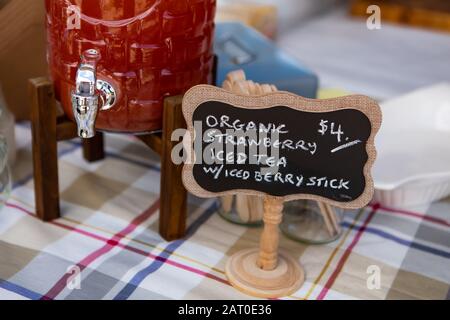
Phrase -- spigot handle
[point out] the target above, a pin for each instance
(87, 73)
(90, 95)
(85, 98)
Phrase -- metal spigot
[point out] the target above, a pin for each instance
(90, 95)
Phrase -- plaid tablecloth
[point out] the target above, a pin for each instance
(108, 232)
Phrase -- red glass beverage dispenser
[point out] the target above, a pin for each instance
(114, 61)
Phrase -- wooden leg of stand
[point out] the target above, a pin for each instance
(93, 149)
(45, 156)
(173, 208)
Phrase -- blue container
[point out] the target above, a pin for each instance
(241, 47)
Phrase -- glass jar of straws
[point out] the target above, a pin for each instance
(311, 222)
(242, 209)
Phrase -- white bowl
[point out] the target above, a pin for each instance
(413, 162)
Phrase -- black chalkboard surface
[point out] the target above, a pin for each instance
(310, 157)
(317, 149)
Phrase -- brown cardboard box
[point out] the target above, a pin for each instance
(262, 17)
(434, 14)
(22, 50)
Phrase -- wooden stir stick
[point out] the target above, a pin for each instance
(249, 208)
(256, 202)
(243, 204)
(236, 83)
(227, 201)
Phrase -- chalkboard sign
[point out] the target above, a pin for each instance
(281, 145)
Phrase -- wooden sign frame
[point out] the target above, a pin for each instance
(203, 93)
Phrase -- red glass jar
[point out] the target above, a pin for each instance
(149, 49)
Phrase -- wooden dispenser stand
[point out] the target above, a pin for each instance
(48, 129)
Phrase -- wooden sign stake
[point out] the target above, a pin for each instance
(273, 215)
(266, 273)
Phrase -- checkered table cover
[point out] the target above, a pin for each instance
(107, 239)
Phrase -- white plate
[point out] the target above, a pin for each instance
(413, 162)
